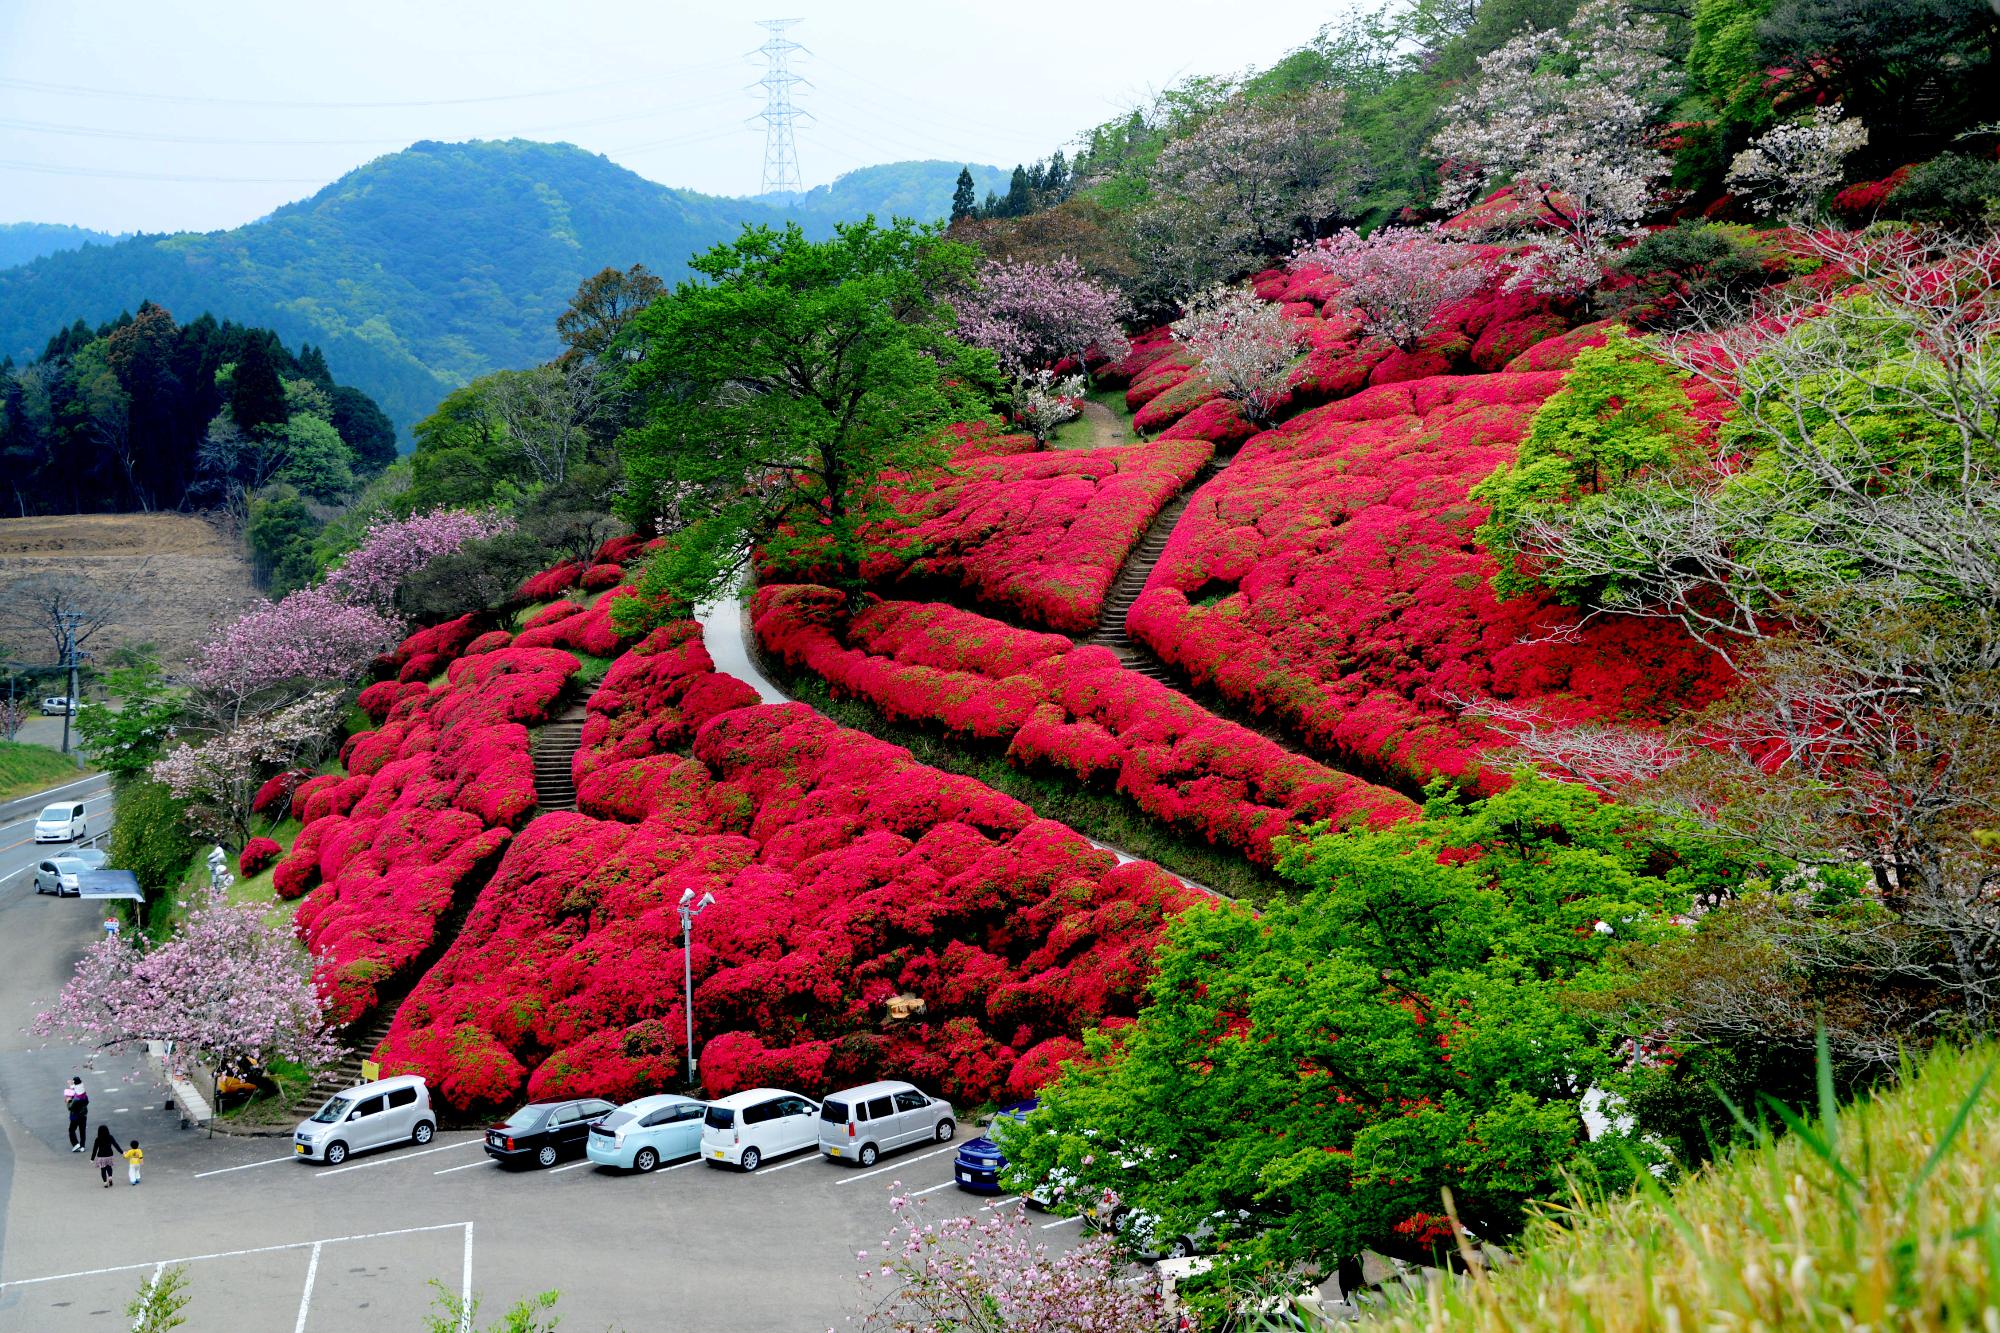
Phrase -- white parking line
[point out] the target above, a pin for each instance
(1062, 1221)
(896, 1167)
(484, 1161)
(225, 1170)
(160, 1265)
(572, 1166)
(1002, 1203)
(918, 1194)
(306, 1299)
(400, 1157)
(808, 1157)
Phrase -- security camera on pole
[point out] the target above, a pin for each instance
(688, 914)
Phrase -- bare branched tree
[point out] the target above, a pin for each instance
(551, 413)
(38, 606)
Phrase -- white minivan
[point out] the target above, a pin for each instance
(859, 1124)
(62, 823)
(745, 1128)
(381, 1114)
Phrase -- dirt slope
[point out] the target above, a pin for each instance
(176, 576)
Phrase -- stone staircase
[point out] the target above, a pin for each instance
(554, 747)
(345, 1072)
(1110, 632)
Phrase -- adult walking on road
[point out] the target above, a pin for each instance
(79, 1114)
(103, 1153)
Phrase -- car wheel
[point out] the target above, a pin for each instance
(336, 1153)
(946, 1128)
(422, 1134)
(867, 1155)
(546, 1155)
(645, 1161)
(1180, 1248)
(752, 1159)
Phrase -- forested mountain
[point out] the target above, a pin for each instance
(23, 241)
(920, 190)
(425, 268)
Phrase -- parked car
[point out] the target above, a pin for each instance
(381, 1114)
(57, 704)
(58, 874)
(62, 823)
(978, 1163)
(541, 1132)
(639, 1135)
(859, 1124)
(745, 1128)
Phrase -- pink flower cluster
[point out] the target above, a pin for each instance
(394, 549)
(1328, 578)
(1074, 710)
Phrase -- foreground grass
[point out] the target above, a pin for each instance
(30, 768)
(1107, 816)
(1884, 1216)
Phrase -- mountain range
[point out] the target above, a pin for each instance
(422, 269)
(23, 241)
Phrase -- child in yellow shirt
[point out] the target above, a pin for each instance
(133, 1156)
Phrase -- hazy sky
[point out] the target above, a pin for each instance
(123, 115)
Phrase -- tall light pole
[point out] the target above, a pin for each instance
(689, 911)
(70, 620)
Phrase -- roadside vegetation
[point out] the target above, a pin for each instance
(30, 768)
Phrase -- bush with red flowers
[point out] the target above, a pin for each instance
(258, 853)
(599, 577)
(583, 629)
(845, 876)
(1073, 710)
(1329, 578)
(277, 790)
(550, 583)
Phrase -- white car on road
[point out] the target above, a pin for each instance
(745, 1128)
(58, 874)
(62, 823)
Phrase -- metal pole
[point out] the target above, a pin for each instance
(69, 659)
(687, 981)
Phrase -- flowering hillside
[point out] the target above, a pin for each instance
(1077, 711)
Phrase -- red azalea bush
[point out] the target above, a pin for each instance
(1078, 710)
(599, 577)
(550, 583)
(277, 790)
(619, 550)
(581, 629)
(1329, 578)
(845, 875)
(257, 853)
(429, 799)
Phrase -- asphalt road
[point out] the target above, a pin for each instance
(274, 1244)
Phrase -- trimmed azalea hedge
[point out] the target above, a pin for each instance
(845, 875)
(1037, 534)
(1329, 578)
(1059, 708)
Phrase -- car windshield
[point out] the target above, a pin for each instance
(528, 1117)
(719, 1117)
(56, 814)
(335, 1108)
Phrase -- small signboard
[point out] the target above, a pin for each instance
(370, 1070)
(109, 884)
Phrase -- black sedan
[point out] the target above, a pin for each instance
(541, 1132)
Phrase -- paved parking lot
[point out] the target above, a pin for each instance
(270, 1243)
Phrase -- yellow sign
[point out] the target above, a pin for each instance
(370, 1070)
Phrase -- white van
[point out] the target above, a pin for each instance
(745, 1128)
(62, 823)
(859, 1124)
(381, 1114)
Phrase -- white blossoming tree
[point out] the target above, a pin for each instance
(1568, 117)
(1398, 278)
(1043, 401)
(1246, 346)
(1787, 171)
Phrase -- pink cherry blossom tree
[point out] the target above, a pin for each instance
(395, 549)
(1246, 345)
(1032, 315)
(224, 985)
(985, 1275)
(218, 778)
(1398, 278)
(277, 652)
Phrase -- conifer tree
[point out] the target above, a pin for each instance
(964, 202)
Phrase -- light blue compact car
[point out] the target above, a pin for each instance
(639, 1135)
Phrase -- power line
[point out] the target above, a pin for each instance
(47, 169)
(134, 95)
(781, 149)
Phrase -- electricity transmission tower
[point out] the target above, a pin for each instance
(781, 149)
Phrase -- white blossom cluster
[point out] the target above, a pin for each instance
(1785, 173)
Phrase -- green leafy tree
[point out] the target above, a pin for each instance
(777, 394)
(281, 534)
(127, 739)
(1306, 1081)
(366, 428)
(1620, 413)
(603, 305)
(317, 460)
(150, 838)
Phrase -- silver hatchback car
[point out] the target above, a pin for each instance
(860, 1124)
(381, 1114)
